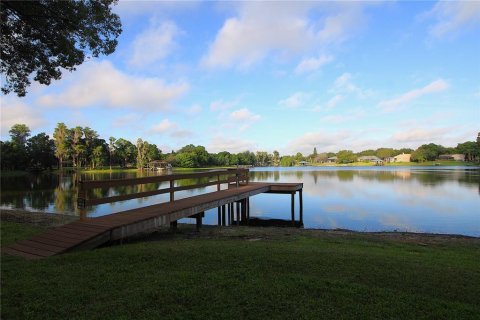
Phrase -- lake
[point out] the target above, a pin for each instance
(415, 199)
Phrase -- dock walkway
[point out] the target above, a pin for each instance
(89, 233)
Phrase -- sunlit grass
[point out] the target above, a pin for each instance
(297, 276)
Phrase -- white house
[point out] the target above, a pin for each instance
(404, 157)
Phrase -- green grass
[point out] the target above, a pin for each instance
(295, 277)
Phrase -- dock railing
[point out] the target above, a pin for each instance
(232, 177)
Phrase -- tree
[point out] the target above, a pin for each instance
(142, 147)
(91, 141)
(276, 158)
(19, 134)
(470, 149)
(287, 161)
(60, 138)
(43, 37)
(41, 151)
(262, 158)
(111, 149)
(97, 156)
(126, 151)
(78, 147)
(346, 156)
(427, 152)
(383, 153)
(299, 157)
(152, 152)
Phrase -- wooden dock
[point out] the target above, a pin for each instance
(232, 205)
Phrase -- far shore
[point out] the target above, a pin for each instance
(332, 165)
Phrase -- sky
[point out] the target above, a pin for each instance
(265, 76)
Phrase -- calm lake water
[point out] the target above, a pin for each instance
(415, 199)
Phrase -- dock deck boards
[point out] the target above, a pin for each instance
(92, 232)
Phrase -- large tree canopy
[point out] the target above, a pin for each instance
(43, 37)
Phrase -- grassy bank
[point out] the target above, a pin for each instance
(247, 273)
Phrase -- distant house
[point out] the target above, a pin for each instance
(404, 157)
(303, 163)
(456, 157)
(332, 160)
(389, 159)
(373, 159)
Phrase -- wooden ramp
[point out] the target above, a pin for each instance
(89, 233)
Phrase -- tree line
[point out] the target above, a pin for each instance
(81, 147)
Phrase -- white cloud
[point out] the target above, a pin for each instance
(154, 43)
(221, 143)
(164, 126)
(344, 84)
(313, 64)
(392, 104)
(100, 83)
(296, 100)
(448, 136)
(349, 115)
(126, 120)
(14, 111)
(322, 140)
(332, 103)
(194, 110)
(282, 28)
(454, 16)
(170, 128)
(243, 117)
(221, 105)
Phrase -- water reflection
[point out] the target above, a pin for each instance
(423, 199)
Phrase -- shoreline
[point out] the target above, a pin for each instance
(441, 163)
(43, 219)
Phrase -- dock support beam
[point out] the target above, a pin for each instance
(238, 213)
(199, 217)
(300, 195)
(293, 208)
(223, 216)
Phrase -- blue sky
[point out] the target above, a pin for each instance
(286, 76)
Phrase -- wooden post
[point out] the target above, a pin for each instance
(293, 208)
(223, 215)
(238, 213)
(301, 205)
(81, 200)
(172, 197)
(219, 214)
(218, 182)
(244, 210)
(229, 214)
(199, 217)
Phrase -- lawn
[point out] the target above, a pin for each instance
(247, 275)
